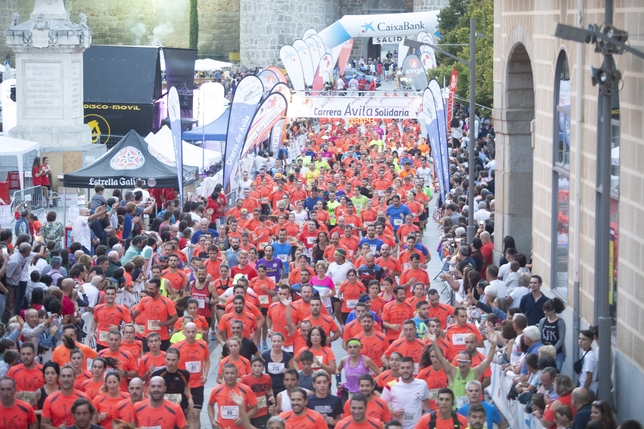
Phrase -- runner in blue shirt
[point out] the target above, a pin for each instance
(282, 250)
(396, 213)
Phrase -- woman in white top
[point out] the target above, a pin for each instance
(588, 376)
(456, 132)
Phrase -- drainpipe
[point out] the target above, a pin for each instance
(577, 190)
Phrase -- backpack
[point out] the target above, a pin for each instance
(432, 420)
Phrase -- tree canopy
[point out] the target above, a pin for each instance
(454, 25)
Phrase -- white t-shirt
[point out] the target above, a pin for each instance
(338, 273)
(92, 293)
(517, 294)
(504, 271)
(481, 215)
(81, 232)
(301, 218)
(590, 365)
(145, 193)
(409, 397)
(425, 174)
(500, 288)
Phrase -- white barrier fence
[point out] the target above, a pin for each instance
(513, 411)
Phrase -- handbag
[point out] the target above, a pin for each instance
(578, 365)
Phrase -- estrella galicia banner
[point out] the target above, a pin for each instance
(276, 136)
(414, 71)
(435, 89)
(431, 122)
(247, 96)
(272, 109)
(174, 112)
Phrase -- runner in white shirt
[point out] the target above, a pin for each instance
(408, 397)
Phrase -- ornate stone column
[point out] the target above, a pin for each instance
(49, 76)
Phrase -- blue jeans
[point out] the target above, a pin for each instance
(19, 302)
(559, 360)
(3, 300)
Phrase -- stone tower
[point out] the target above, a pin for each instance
(266, 25)
(427, 5)
(49, 76)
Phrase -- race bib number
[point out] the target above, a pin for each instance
(175, 398)
(263, 299)
(373, 249)
(283, 258)
(150, 427)
(261, 402)
(311, 240)
(398, 222)
(351, 303)
(102, 336)
(262, 245)
(229, 412)
(409, 416)
(201, 302)
(319, 359)
(288, 349)
(27, 396)
(140, 329)
(461, 401)
(458, 339)
(193, 367)
(433, 394)
(154, 325)
(275, 367)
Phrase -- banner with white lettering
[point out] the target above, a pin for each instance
(435, 88)
(272, 109)
(415, 73)
(247, 96)
(354, 107)
(431, 123)
(293, 66)
(276, 136)
(304, 54)
(174, 112)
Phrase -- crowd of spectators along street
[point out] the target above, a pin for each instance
(321, 248)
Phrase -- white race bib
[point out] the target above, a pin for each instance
(433, 394)
(229, 412)
(154, 325)
(175, 398)
(311, 240)
(261, 402)
(263, 244)
(27, 396)
(275, 368)
(102, 336)
(288, 349)
(140, 329)
(416, 369)
(458, 339)
(150, 427)
(461, 401)
(202, 302)
(398, 222)
(193, 367)
(283, 258)
(409, 416)
(263, 299)
(351, 303)
(320, 359)
(373, 248)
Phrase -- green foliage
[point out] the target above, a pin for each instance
(194, 25)
(454, 25)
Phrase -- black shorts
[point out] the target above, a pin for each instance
(209, 320)
(334, 300)
(423, 216)
(197, 396)
(264, 311)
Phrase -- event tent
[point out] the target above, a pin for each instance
(192, 155)
(130, 159)
(209, 64)
(214, 131)
(18, 148)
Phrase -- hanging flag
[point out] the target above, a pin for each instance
(247, 96)
(174, 112)
(293, 66)
(278, 72)
(276, 136)
(414, 71)
(269, 79)
(272, 109)
(315, 53)
(426, 60)
(435, 89)
(343, 59)
(431, 123)
(323, 50)
(429, 39)
(283, 89)
(305, 59)
(208, 103)
(453, 81)
(323, 72)
(308, 33)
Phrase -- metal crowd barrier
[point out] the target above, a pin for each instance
(32, 199)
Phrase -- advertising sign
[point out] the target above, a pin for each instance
(293, 66)
(174, 112)
(355, 107)
(272, 109)
(415, 73)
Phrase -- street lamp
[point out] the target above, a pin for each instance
(471, 228)
(608, 41)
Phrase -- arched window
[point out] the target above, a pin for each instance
(561, 176)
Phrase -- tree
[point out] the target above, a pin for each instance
(461, 11)
(194, 25)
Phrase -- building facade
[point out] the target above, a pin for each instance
(545, 115)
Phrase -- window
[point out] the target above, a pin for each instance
(561, 177)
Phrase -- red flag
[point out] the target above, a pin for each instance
(453, 81)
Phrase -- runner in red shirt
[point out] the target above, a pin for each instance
(228, 410)
(107, 315)
(243, 267)
(157, 411)
(301, 417)
(107, 402)
(56, 410)
(195, 358)
(262, 386)
(14, 413)
(28, 375)
(359, 417)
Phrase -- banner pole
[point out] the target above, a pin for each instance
(203, 133)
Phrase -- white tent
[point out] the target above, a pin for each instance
(16, 147)
(209, 64)
(192, 155)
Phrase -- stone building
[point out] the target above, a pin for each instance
(256, 29)
(540, 132)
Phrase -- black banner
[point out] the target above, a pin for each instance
(110, 122)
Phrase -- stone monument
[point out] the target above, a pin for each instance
(49, 76)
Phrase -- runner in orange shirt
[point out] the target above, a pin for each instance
(56, 410)
(28, 375)
(433, 374)
(158, 313)
(349, 241)
(227, 409)
(442, 312)
(350, 292)
(93, 386)
(418, 296)
(126, 364)
(457, 332)
(376, 303)
(395, 313)
(107, 402)
(408, 345)
(359, 417)
(374, 343)
(175, 276)
(324, 321)
(404, 258)
(407, 228)
(152, 360)
(283, 317)
(192, 306)
(414, 274)
(250, 322)
(14, 413)
(195, 358)
(130, 344)
(301, 417)
(125, 409)
(241, 363)
(376, 407)
(387, 262)
(62, 353)
(158, 412)
(213, 262)
(108, 315)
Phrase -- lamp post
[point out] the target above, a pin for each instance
(608, 41)
(471, 228)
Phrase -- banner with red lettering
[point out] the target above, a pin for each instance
(272, 109)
